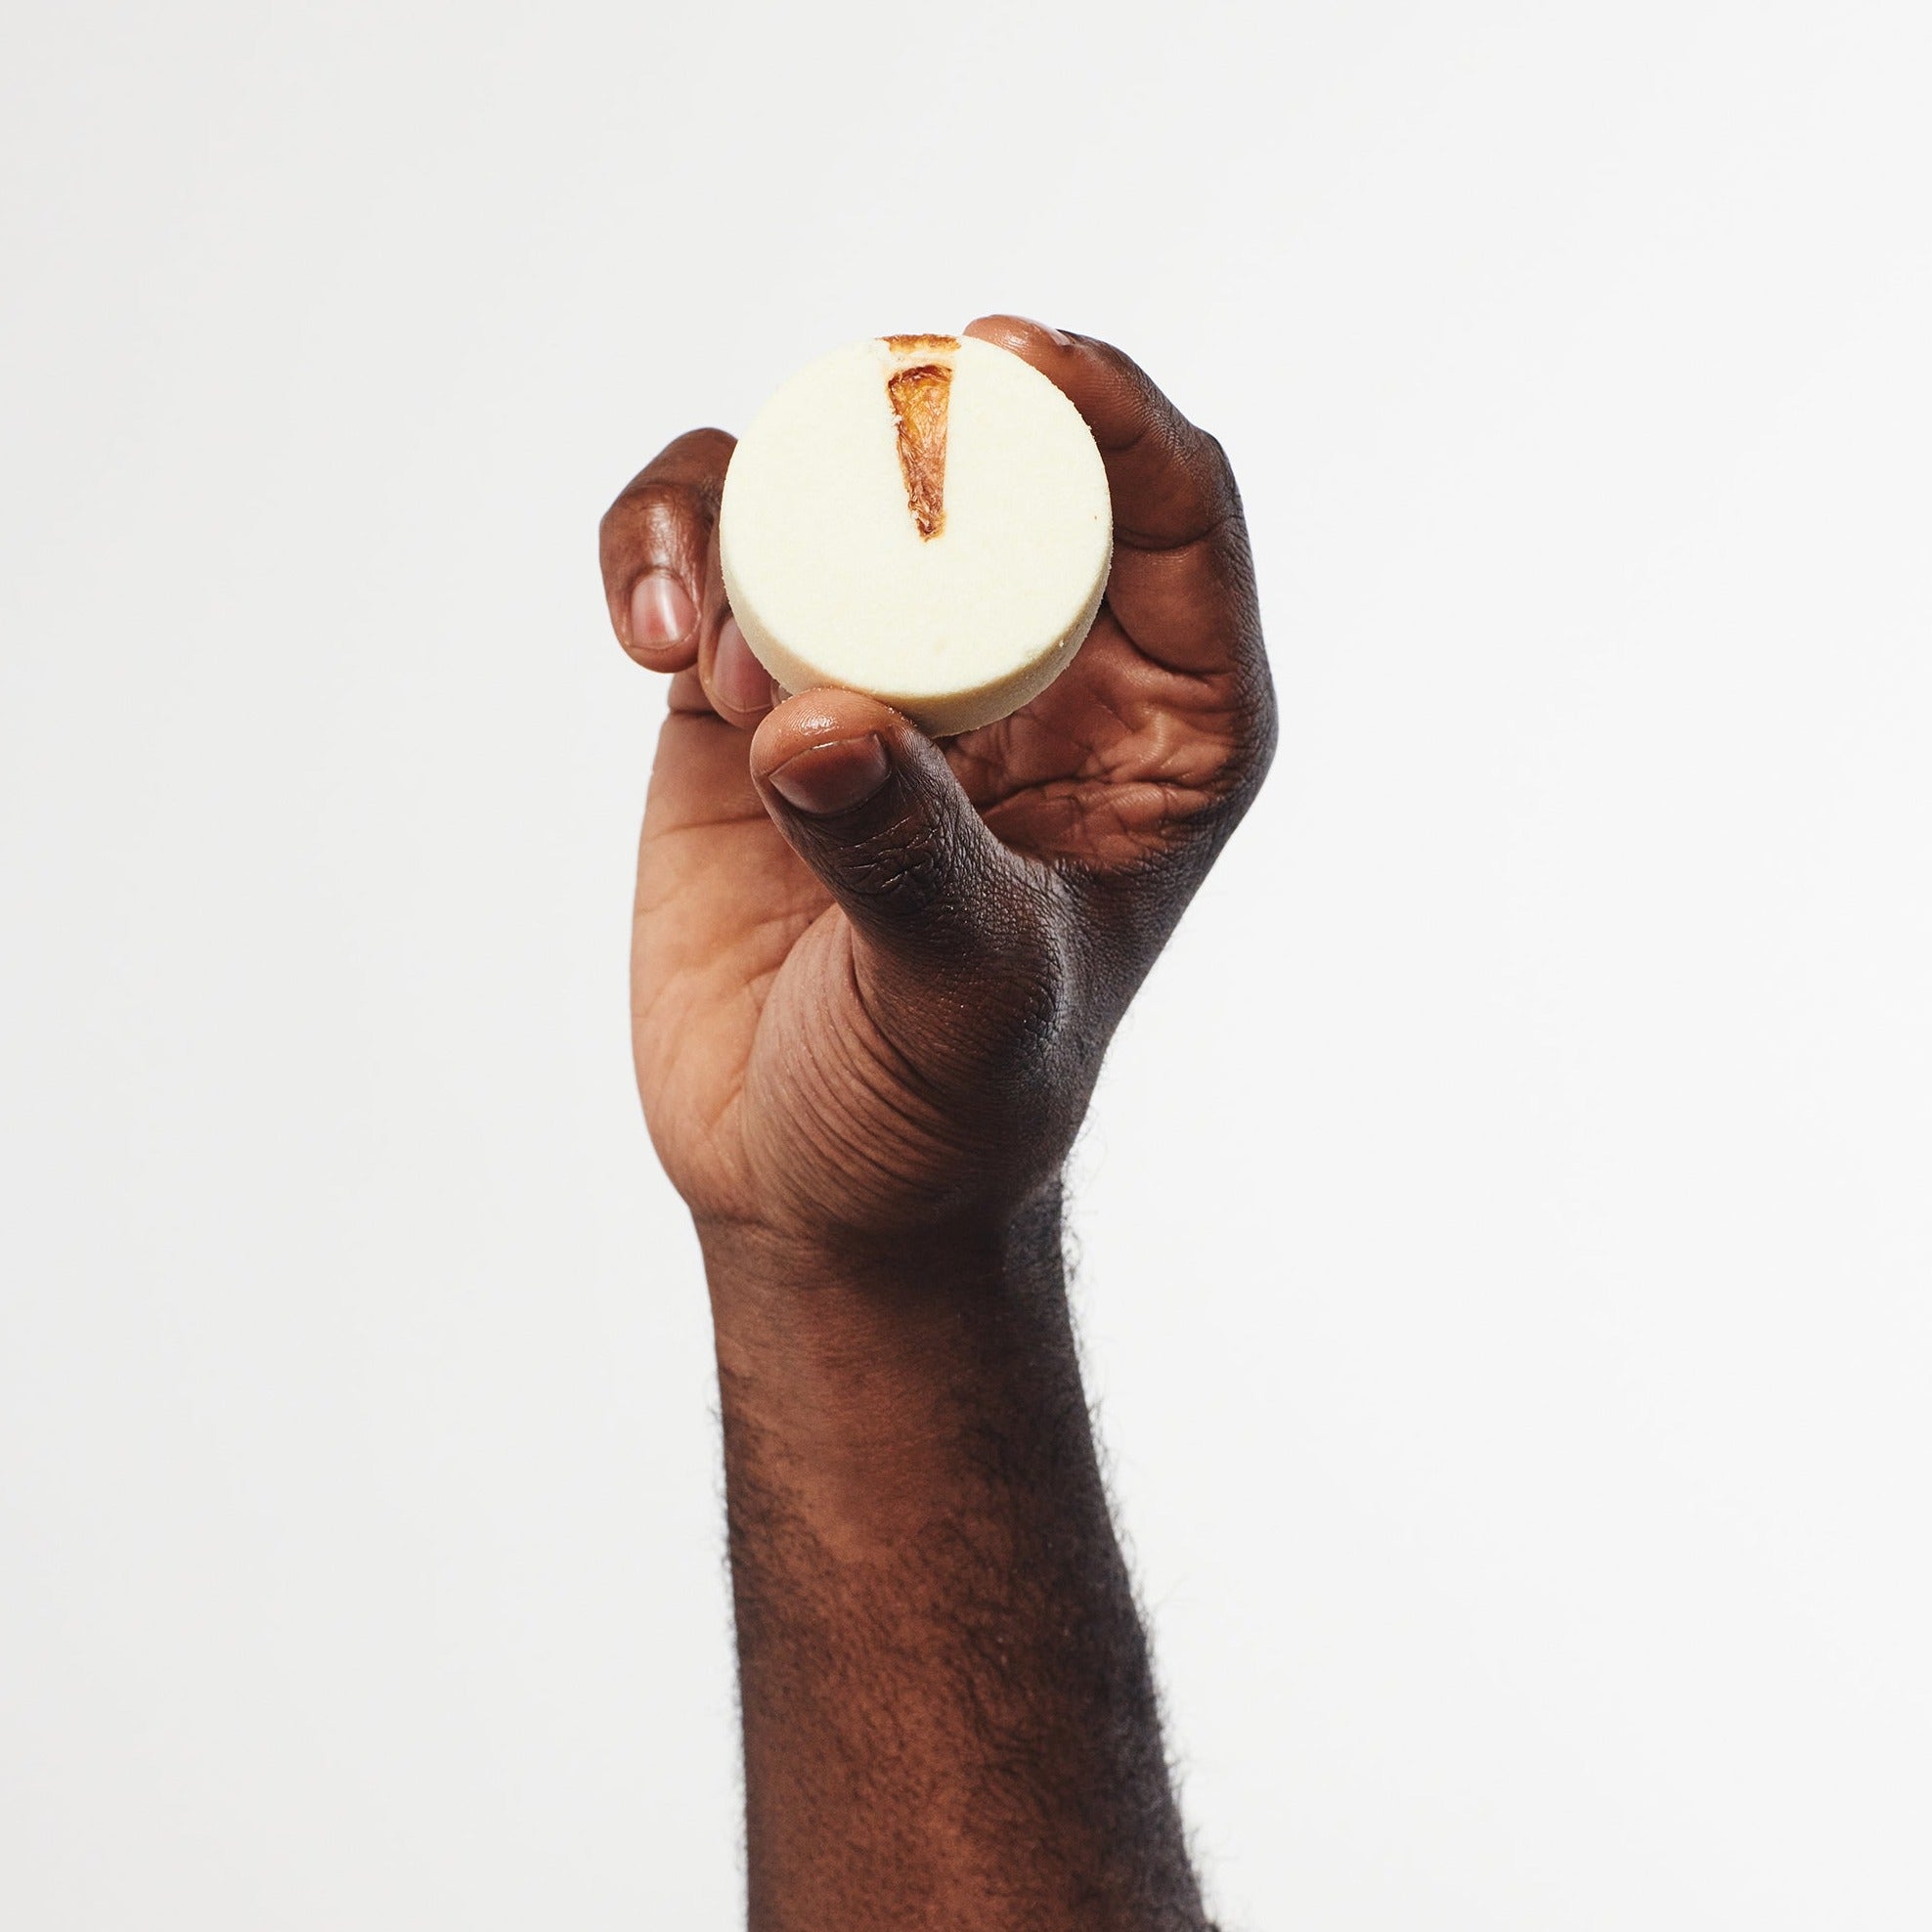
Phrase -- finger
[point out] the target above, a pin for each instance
(870, 804)
(736, 684)
(1182, 583)
(654, 545)
(740, 687)
(685, 692)
(1169, 480)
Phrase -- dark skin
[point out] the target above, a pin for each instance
(873, 979)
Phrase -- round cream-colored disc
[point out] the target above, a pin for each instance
(919, 517)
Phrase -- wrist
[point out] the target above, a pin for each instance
(846, 1349)
(766, 1267)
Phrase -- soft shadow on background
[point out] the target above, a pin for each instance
(1505, 1230)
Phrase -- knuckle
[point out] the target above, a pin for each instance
(904, 869)
(665, 505)
(648, 507)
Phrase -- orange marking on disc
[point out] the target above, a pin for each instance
(919, 392)
(919, 406)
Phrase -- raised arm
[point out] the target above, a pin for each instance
(873, 981)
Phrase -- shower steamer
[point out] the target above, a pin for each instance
(921, 517)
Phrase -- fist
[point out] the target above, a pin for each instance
(873, 977)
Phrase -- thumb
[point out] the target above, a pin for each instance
(870, 804)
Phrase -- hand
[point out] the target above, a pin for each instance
(873, 977)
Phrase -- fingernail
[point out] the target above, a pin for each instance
(1047, 329)
(833, 777)
(661, 611)
(741, 679)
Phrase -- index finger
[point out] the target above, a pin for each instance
(654, 545)
(1182, 583)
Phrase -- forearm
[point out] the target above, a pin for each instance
(949, 1712)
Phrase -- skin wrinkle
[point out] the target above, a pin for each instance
(1150, 547)
(920, 1121)
(702, 976)
(754, 819)
(865, 1044)
(1113, 702)
(912, 870)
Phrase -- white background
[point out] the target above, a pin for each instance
(1504, 1226)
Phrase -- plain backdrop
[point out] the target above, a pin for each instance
(1504, 1229)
